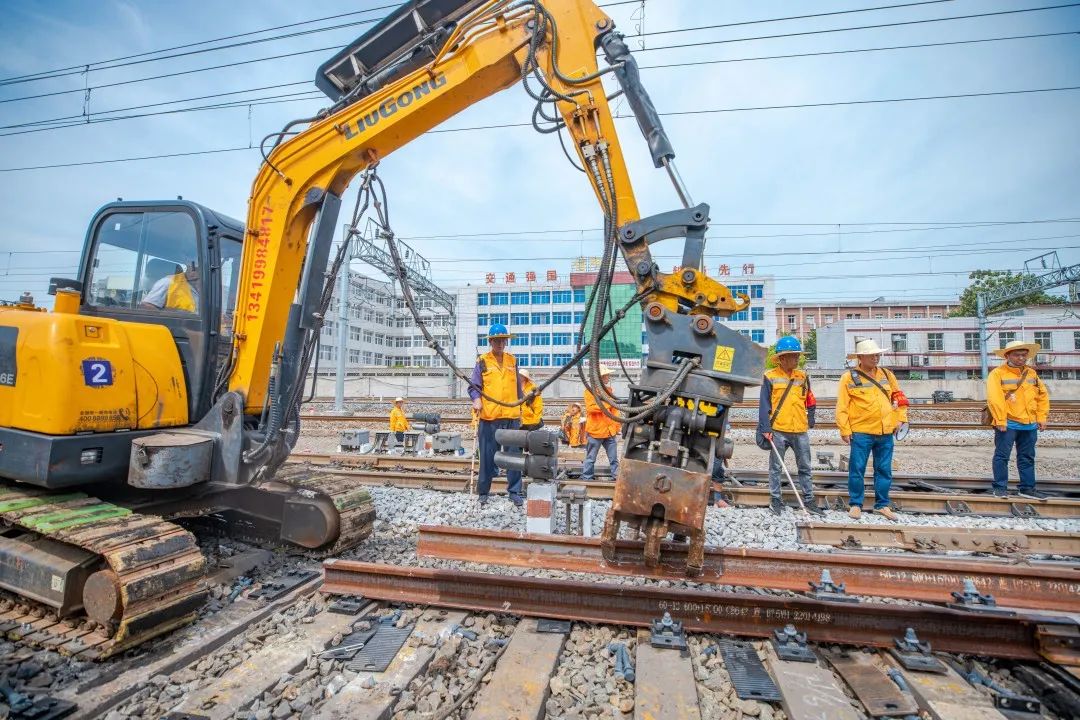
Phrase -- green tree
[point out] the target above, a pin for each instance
(984, 280)
(810, 345)
(770, 361)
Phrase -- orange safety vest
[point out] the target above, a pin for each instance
(500, 381)
(572, 426)
(533, 412)
(597, 424)
(398, 423)
(792, 417)
(1009, 400)
(861, 406)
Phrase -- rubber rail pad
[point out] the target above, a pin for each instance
(749, 676)
(380, 650)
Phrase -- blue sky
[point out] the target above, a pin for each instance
(780, 181)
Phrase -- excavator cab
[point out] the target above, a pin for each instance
(171, 263)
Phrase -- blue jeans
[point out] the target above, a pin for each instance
(1025, 457)
(862, 444)
(488, 447)
(800, 446)
(592, 449)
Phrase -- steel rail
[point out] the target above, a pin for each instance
(1036, 586)
(822, 403)
(735, 423)
(1019, 636)
(928, 503)
(940, 539)
(823, 478)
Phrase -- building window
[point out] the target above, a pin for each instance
(369, 336)
(935, 374)
(916, 316)
(519, 340)
(935, 342)
(850, 316)
(541, 318)
(879, 316)
(579, 295)
(500, 298)
(757, 336)
(519, 318)
(560, 338)
(1045, 339)
(481, 298)
(757, 291)
(745, 333)
(378, 358)
(898, 316)
(354, 333)
(741, 316)
(736, 289)
(899, 342)
(828, 319)
(562, 296)
(501, 318)
(541, 338)
(519, 298)
(542, 297)
(560, 359)
(481, 320)
(1004, 338)
(481, 341)
(579, 317)
(354, 357)
(810, 321)
(540, 361)
(327, 352)
(936, 316)
(792, 321)
(1076, 340)
(562, 318)
(757, 314)
(367, 357)
(971, 342)
(523, 361)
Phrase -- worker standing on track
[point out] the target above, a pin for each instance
(601, 431)
(573, 426)
(496, 376)
(785, 415)
(532, 412)
(398, 424)
(870, 407)
(1020, 405)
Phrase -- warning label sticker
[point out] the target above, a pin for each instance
(724, 357)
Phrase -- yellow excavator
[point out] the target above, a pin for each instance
(167, 380)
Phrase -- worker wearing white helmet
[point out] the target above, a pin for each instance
(601, 430)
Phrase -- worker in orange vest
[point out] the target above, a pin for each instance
(532, 412)
(495, 378)
(398, 424)
(572, 426)
(600, 431)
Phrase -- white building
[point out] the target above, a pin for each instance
(948, 348)
(545, 311)
(381, 330)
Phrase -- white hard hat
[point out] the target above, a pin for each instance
(399, 399)
(604, 371)
(525, 374)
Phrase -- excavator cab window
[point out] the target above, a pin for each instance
(230, 254)
(146, 261)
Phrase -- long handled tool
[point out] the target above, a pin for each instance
(472, 455)
(780, 459)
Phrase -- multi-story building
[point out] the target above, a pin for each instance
(545, 316)
(949, 348)
(800, 318)
(381, 331)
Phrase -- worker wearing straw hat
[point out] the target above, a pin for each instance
(870, 407)
(601, 430)
(1019, 405)
(532, 412)
(398, 424)
(495, 389)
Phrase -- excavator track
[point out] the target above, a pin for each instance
(118, 578)
(355, 506)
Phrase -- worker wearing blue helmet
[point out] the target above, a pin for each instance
(785, 415)
(495, 378)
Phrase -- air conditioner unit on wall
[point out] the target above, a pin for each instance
(1043, 359)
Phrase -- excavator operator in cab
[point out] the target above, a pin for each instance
(179, 291)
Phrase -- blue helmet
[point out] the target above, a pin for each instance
(788, 344)
(498, 330)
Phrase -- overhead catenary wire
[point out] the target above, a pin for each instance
(114, 62)
(1027, 91)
